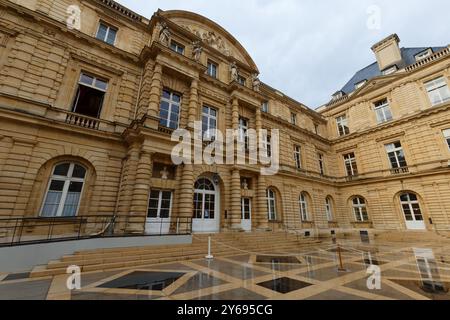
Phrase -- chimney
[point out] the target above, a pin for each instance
(387, 52)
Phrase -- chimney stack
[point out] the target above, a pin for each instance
(387, 52)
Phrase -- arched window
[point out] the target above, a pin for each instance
(329, 208)
(360, 209)
(271, 205)
(304, 206)
(64, 191)
(411, 210)
(204, 184)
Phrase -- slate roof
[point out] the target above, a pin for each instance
(372, 71)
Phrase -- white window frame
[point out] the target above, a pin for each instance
(243, 132)
(172, 103)
(212, 69)
(446, 134)
(410, 203)
(350, 163)
(342, 125)
(108, 30)
(267, 145)
(212, 131)
(242, 80)
(383, 111)
(329, 208)
(390, 70)
(360, 84)
(424, 54)
(293, 118)
(298, 156)
(67, 180)
(359, 208)
(265, 107)
(303, 202)
(271, 199)
(176, 47)
(160, 198)
(438, 86)
(243, 211)
(392, 149)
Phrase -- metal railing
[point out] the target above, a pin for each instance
(22, 231)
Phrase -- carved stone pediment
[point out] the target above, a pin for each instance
(211, 38)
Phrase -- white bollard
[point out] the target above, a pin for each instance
(209, 256)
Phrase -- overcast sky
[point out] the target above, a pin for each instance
(309, 49)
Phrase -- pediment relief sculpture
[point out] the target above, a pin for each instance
(210, 38)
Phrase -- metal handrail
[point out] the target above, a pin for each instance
(32, 230)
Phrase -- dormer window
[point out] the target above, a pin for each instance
(106, 33)
(389, 70)
(175, 46)
(423, 54)
(338, 95)
(242, 80)
(360, 84)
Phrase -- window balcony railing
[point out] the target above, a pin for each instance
(402, 170)
(82, 121)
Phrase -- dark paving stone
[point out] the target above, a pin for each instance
(142, 280)
(17, 276)
(240, 294)
(29, 290)
(284, 285)
(277, 260)
(88, 279)
(434, 290)
(198, 282)
(241, 258)
(330, 273)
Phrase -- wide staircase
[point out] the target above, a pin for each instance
(223, 244)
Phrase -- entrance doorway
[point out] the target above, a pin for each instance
(206, 206)
(246, 212)
(412, 212)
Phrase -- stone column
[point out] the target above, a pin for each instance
(193, 103)
(235, 199)
(258, 120)
(155, 91)
(186, 193)
(261, 204)
(141, 189)
(235, 114)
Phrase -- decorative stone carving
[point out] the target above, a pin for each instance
(245, 184)
(164, 35)
(256, 82)
(210, 38)
(197, 50)
(164, 173)
(234, 71)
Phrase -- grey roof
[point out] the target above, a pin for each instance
(372, 71)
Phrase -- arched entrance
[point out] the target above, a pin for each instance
(206, 216)
(412, 211)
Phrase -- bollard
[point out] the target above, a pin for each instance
(341, 265)
(209, 256)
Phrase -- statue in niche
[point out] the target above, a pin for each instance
(234, 71)
(245, 184)
(197, 50)
(164, 174)
(256, 82)
(164, 35)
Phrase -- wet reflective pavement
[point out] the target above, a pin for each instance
(409, 271)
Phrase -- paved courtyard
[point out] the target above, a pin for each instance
(408, 272)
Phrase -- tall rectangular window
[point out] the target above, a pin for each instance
(170, 109)
(321, 163)
(242, 80)
(265, 107)
(293, 118)
(90, 95)
(438, 91)
(267, 145)
(342, 125)
(383, 111)
(243, 132)
(209, 122)
(396, 155)
(212, 69)
(298, 157)
(447, 136)
(159, 204)
(106, 33)
(350, 164)
(175, 46)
